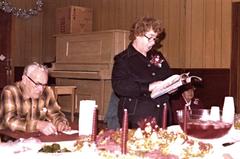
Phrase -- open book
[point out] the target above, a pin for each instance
(172, 83)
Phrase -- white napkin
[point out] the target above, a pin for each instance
(70, 132)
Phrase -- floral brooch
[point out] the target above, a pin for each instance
(156, 60)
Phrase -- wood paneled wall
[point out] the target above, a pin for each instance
(198, 31)
(27, 36)
(33, 38)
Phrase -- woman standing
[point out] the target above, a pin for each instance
(138, 70)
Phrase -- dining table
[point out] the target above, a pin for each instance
(25, 148)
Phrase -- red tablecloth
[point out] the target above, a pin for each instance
(51, 138)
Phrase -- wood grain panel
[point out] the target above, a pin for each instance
(209, 41)
(27, 36)
(188, 9)
(165, 18)
(173, 34)
(132, 13)
(122, 14)
(36, 39)
(96, 14)
(48, 32)
(218, 35)
(206, 25)
(183, 35)
(158, 9)
(148, 6)
(226, 33)
(197, 34)
(140, 7)
(198, 31)
(111, 21)
(18, 53)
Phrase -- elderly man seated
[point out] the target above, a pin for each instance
(30, 105)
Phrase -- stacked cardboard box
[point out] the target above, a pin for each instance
(73, 19)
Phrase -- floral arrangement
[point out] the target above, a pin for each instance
(148, 126)
(148, 142)
(156, 60)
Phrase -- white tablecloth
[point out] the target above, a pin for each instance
(28, 149)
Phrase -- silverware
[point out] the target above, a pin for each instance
(229, 143)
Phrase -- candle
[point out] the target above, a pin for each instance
(85, 122)
(124, 132)
(164, 119)
(185, 117)
(94, 124)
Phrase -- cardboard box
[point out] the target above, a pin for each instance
(73, 19)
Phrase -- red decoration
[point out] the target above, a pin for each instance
(185, 118)
(156, 60)
(94, 125)
(124, 132)
(164, 119)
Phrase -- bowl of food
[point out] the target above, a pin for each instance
(200, 124)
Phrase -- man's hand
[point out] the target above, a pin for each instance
(62, 127)
(47, 128)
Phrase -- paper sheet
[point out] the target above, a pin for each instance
(70, 132)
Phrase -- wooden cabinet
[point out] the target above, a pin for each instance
(86, 60)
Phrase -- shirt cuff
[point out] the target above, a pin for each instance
(31, 126)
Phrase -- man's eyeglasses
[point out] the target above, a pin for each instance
(37, 84)
(151, 38)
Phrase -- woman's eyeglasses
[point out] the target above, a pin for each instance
(151, 38)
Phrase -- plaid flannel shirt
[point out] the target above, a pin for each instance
(17, 113)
